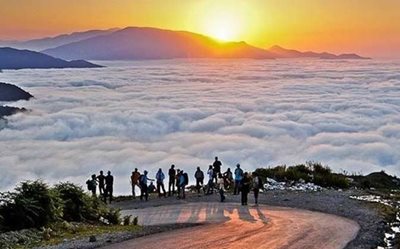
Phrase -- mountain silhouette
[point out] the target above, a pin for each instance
(280, 52)
(52, 42)
(135, 43)
(9, 92)
(11, 58)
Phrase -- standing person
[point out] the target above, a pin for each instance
(221, 185)
(228, 177)
(183, 181)
(109, 186)
(92, 184)
(257, 185)
(135, 181)
(160, 183)
(101, 178)
(144, 191)
(238, 179)
(217, 168)
(245, 187)
(172, 180)
(178, 174)
(210, 184)
(199, 176)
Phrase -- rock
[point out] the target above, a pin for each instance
(92, 239)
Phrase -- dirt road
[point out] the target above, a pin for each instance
(230, 225)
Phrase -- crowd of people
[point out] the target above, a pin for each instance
(239, 181)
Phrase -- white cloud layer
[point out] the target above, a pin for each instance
(151, 114)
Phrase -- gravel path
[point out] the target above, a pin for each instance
(372, 225)
(230, 225)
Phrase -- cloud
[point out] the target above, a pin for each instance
(153, 114)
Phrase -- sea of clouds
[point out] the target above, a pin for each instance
(151, 114)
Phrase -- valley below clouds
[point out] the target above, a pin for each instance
(151, 114)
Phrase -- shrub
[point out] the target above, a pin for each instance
(33, 204)
(113, 216)
(127, 220)
(73, 199)
(135, 220)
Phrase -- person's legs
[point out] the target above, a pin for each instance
(198, 185)
(110, 193)
(183, 191)
(142, 193)
(163, 189)
(256, 190)
(159, 189)
(221, 193)
(146, 192)
(133, 191)
(236, 189)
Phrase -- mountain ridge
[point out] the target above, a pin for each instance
(11, 58)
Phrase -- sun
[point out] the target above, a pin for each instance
(224, 27)
(223, 23)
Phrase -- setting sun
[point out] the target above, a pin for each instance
(224, 27)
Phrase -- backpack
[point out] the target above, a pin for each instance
(186, 177)
(89, 184)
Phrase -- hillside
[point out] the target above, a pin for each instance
(11, 58)
(150, 43)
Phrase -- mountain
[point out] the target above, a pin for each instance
(135, 43)
(52, 42)
(11, 58)
(10, 92)
(280, 52)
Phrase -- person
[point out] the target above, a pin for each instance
(109, 179)
(135, 181)
(151, 188)
(183, 181)
(199, 176)
(217, 168)
(238, 179)
(160, 183)
(245, 187)
(144, 189)
(221, 185)
(92, 184)
(257, 185)
(210, 184)
(101, 178)
(172, 179)
(178, 187)
(228, 177)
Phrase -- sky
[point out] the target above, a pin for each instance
(368, 27)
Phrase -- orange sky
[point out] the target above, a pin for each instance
(368, 27)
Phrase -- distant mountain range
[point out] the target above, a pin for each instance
(11, 58)
(135, 43)
(151, 43)
(280, 52)
(56, 41)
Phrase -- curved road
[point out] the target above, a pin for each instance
(229, 225)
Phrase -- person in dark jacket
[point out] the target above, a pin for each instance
(160, 183)
(144, 189)
(109, 186)
(245, 187)
(101, 178)
(172, 180)
(257, 185)
(216, 169)
(199, 176)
